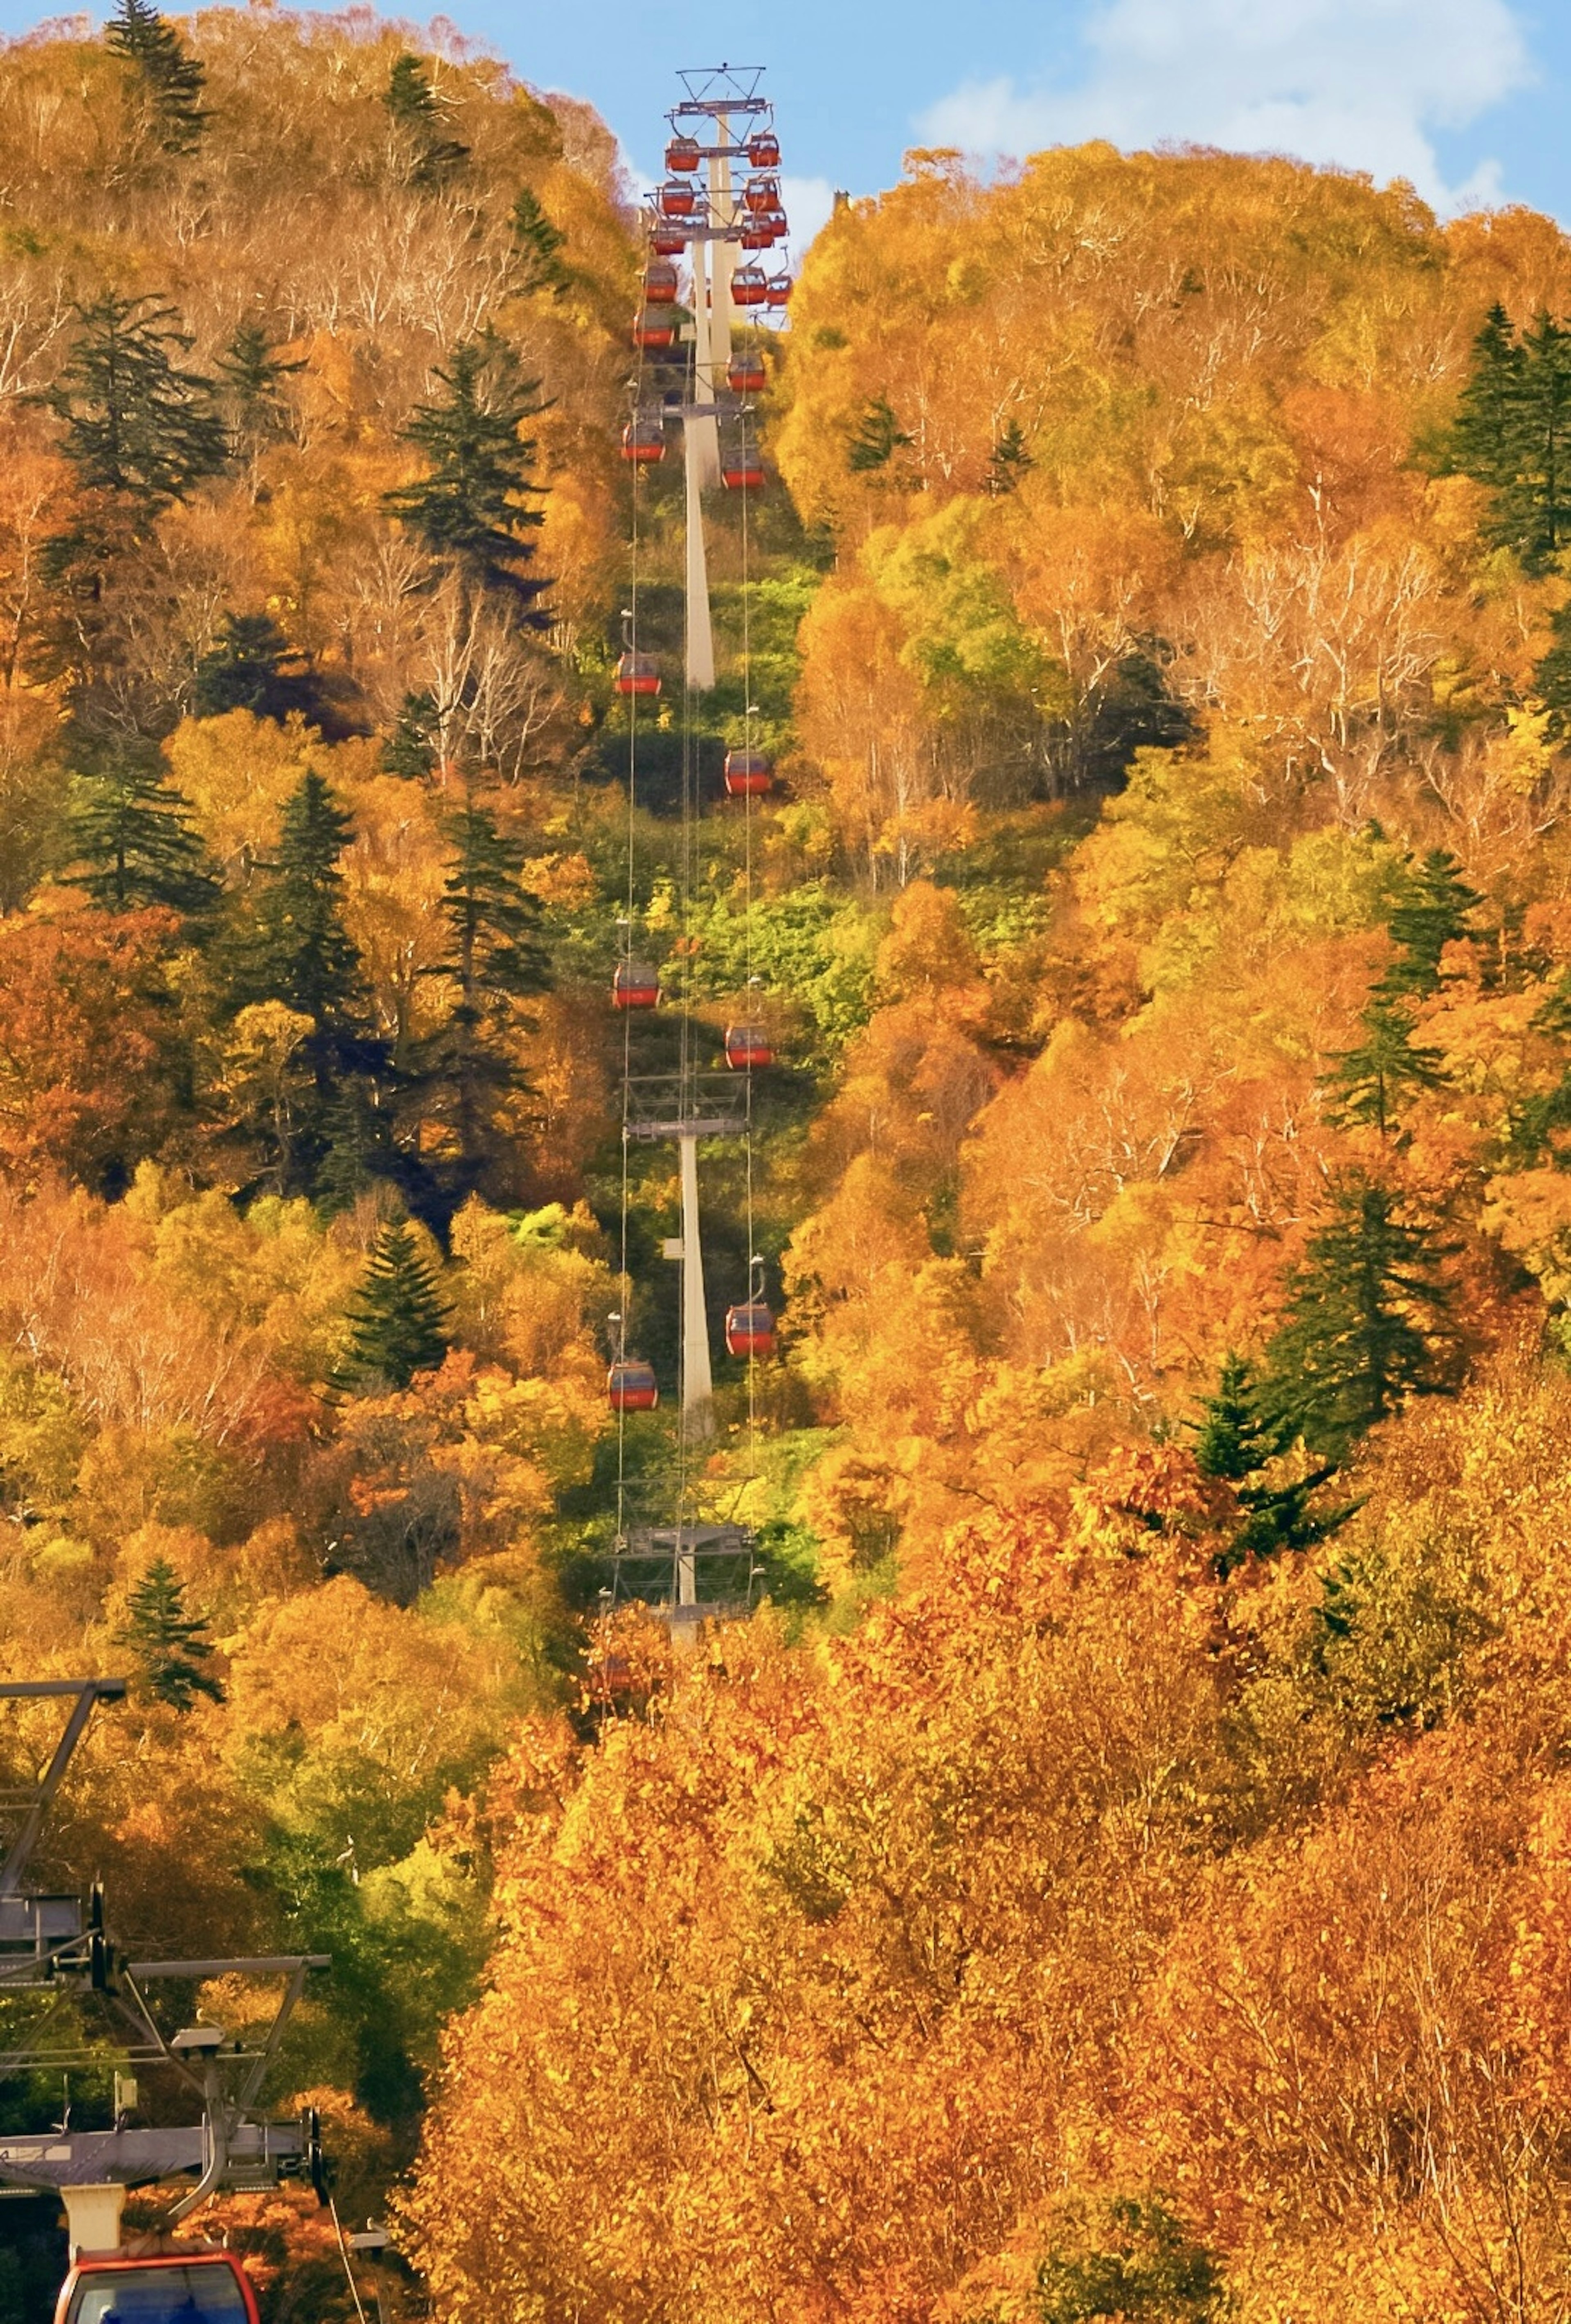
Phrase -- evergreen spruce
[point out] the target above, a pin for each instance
(412, 103)
(410, 750)
(1238, 1438)
(1513, 433)
(173, 79)
(1365, 1324)
(493, 960)
(1010, 460)
(465, 512)
(878, 436)
(1431, 910)
(251, 375)
(170, 1644)
(539, 245)
(1369, 1083)
(131, 841)
(397, 1321)
(134, 422)
(244, 670)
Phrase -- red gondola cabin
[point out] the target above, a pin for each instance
(654, 329)
(676, 200)
(635, 986)
(758, 235)
(659, 283)
(745, 374)
(667, 240)
(632, 1386)
(682, 153)
(748, 774)
(190, 2287)
(643, 441)
(764, 151)
(761, 194)
(638, 673)
(748, 1048)
(750, 1330)
(779, 291)
(742, 473)
(749, 287)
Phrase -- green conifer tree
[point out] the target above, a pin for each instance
(1483, 432)
(877, 437)
(1240, 1438)
(1010, 459)
(493, 960)
(465, 512)
(1365, 1324)
(539, 245)
(1370, 1081)
(171, 77)
(410, 750)
(170, 1644)
(411, 100)
(397, 1321)
(133, 422)
(1514, 432)
(251, 373)
(131, 840)
(244, 670)
(1432, 910)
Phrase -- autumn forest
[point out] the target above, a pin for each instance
(1116, 1859)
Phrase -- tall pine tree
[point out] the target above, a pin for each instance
(170, 1644)
(1365, 1324)
(171, 79)
(465, 512)
(1432, 910)
(1514, 432)
(1370, 1083)
(130, 837)
(879, 436)
(492, 959)
(134, 422)
(433, 156)
(1242, 1437)
(398, 1321)
(539, 244)
(252, 373)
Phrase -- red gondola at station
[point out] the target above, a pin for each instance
(748, 774)
(748, 1048)
(763, 150)
(683, 153)
(654, 329)
(638, 673)
(678, 200)
(630, 1386)
(745, 374)
(750, 1330)
(659, 283)
(187, 2287)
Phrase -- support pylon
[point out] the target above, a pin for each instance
(697, 1378)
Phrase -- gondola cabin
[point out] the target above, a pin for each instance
(676, 200)
(748, 774)
(683, 153)
(635, 986)
(638, 673)
(742, 473)
(667, 239)
(655, 329)
(777, 223)
(764, 151)
(744, 374)
(659, 283)
(643, 442)
(192, 2287)
(750, 1330)
(758, 235)
(632, 1386)
(779, 291)
(760, 194)
(749, 287)
(747, 1049)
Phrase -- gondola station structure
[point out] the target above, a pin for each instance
(711, 229)
(91, 2004)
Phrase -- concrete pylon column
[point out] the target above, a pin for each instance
(703, 433)
(93, 2217)
(722, 210)
(697, 1379)
(700, 649)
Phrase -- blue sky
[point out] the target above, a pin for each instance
(1468, 99)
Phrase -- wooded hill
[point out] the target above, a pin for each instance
(1123, 1871)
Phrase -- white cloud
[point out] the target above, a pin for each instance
(1363, 83)
(809, 202)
